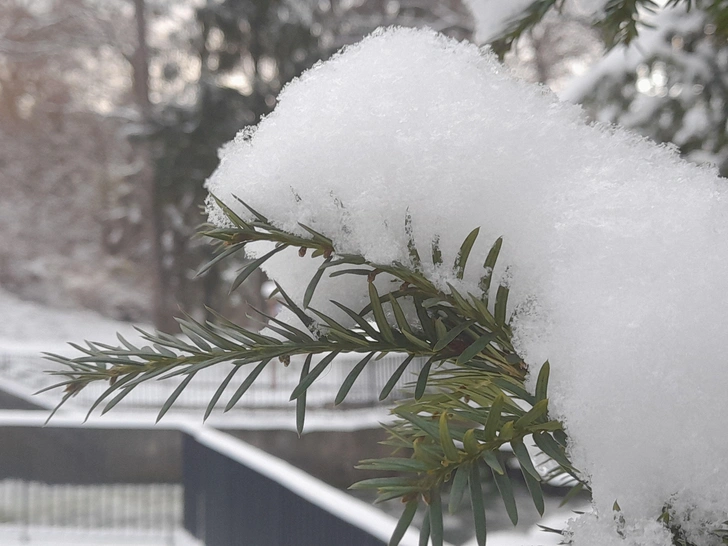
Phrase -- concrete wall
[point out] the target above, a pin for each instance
(78, 454)
(327, 455)
(90, 455)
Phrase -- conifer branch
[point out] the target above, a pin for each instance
(469, 398)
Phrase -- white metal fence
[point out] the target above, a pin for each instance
(40, 513)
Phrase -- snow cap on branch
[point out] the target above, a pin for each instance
(617, 250)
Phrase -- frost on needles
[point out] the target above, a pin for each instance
(615, 251)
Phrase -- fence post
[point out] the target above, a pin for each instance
(24, 511)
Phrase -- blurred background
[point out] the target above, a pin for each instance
(112, 113)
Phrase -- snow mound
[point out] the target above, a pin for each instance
(617, 250)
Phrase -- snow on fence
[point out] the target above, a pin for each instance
(272, 389)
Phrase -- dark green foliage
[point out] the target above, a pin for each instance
(470, 400)
(621, 22)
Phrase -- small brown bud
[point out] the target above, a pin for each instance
(285, 359)
(328, 252)
(239, 238)
(459, 344)
(302, 251)
(74, 388)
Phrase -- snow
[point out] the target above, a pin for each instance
(593, 8)
(663, 84)
(49, 536)
(652, 41)
(600, 532)
(28, 327)
(533, 535)
(616, 248)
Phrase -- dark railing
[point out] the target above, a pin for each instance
(228, 503)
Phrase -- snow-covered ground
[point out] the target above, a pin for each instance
(26, 326)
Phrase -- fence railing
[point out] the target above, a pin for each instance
(237, 494)
(29, 510)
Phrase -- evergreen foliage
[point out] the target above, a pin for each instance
(620, 21)
(469, 398)
(185, 139)
(671, 86)
(271, 42)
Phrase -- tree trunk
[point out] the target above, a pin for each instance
(162, 309)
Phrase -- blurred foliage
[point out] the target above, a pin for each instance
(664, 75)
(674, 90)
(148, 116)
(248, 38)
(620, 22)
(62, 163)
